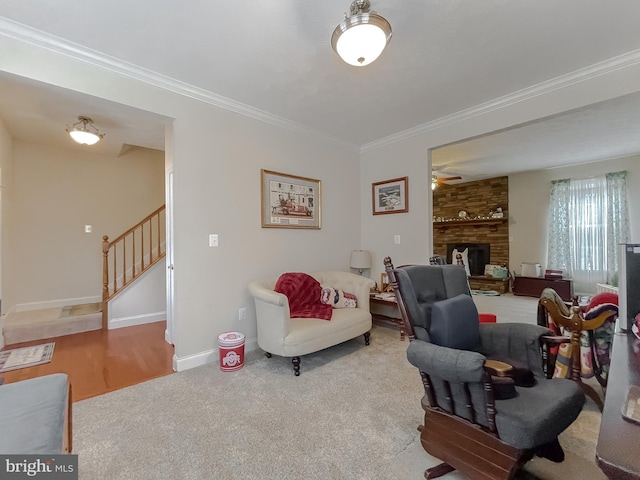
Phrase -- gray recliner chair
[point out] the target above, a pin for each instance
(472, 423)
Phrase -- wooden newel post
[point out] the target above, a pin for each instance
(105, 281)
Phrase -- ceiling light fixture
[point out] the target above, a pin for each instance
(361, 36)
(84, 131)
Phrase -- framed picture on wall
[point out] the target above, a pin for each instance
(390, 196)
(289, 201)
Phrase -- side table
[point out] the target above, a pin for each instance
(385, 310)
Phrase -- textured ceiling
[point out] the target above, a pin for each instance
(445, 55)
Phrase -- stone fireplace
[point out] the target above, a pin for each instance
(462, 216)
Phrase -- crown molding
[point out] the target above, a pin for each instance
(611, 65)
(24, 33)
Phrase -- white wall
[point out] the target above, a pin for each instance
(144, 302)
(6, 203)
(217, 160)
(529, 206)
(6, 184)
(217, 156)
(407, 154)
(57, 192)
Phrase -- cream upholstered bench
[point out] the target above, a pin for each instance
(282, 335)
(35, 416)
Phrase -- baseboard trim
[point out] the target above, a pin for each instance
(207, 357)
(136, 320)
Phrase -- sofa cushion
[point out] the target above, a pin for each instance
(338, 298)
(32, 416)
(308, 335)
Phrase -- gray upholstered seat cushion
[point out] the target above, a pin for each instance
(539, 414)
(32, 415)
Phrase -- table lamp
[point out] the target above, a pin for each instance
(360, 259)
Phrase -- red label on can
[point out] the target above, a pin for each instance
(231, 358)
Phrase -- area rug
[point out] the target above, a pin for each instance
(491, 293)
(83, 309)
(26, 357)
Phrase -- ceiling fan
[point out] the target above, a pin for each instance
(435, 181)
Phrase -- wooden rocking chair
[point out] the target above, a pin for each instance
(552, 311)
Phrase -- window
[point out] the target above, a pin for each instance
(588, 219)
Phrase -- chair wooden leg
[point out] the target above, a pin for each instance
(296, 366)
(267, 354)
(367, 338)
(438, 471)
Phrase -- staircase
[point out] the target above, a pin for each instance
(51, 322)
(125, 259)
(130, 255)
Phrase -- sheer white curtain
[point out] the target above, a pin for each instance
(587, 219)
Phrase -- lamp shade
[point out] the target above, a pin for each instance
(360, 38)
(84, 132)
(83, 137)
(360, 259)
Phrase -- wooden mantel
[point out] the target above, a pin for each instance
(479, 222)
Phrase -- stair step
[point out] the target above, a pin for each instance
(51, 322)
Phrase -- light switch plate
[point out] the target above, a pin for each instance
(213, 240)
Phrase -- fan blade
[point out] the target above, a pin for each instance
(446, 179)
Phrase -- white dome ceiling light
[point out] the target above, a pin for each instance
(85, 132)
(361, 36)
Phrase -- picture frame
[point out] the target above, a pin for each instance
(290, 201)
(390, 196)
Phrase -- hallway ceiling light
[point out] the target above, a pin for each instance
(361, 36)
(85, 132)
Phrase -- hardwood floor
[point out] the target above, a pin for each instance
(102, 361)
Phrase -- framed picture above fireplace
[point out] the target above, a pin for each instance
(390, 196)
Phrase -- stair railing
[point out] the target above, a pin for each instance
(130, 255)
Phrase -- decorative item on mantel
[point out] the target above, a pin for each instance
(498, 213)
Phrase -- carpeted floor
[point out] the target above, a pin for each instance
(352, 414)
(82, 309)
(33, 325)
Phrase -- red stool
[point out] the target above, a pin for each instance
(487, 317)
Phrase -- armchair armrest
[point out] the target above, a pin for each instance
(260, 292)
(456, 366)
(272, 316)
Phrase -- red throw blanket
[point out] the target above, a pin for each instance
(303, 292)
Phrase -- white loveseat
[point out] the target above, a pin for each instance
(282, 335)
